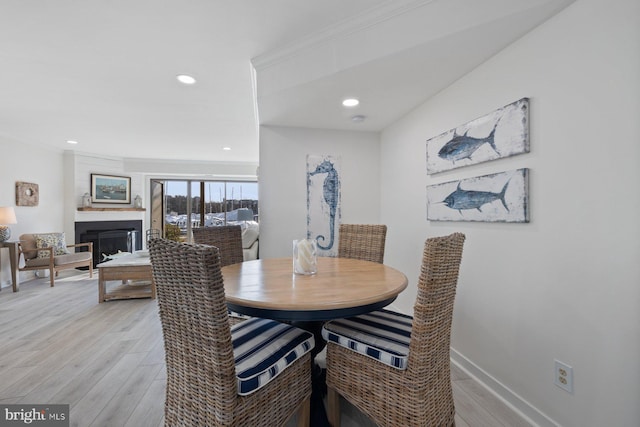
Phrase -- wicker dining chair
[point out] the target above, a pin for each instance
(362, 241)
(256, 373)
(395, 368)
(227, 238)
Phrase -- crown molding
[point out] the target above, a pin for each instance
(388, 29)
(372, 17)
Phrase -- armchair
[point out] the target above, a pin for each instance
(250, 241)
(49, 251)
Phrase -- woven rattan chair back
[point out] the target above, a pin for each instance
(201, 379)
(420, 395)
(198, 349)
(362, 241)
(227, 238)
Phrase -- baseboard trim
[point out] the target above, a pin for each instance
(526, 410)
(495, 387)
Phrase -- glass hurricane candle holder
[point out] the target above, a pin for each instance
(305, 256)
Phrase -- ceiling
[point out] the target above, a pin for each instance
(102, 72)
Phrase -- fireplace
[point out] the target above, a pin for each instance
(110, 237)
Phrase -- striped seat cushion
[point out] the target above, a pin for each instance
(263, 348)
(382, 335)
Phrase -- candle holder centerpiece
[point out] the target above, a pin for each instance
(305, 256)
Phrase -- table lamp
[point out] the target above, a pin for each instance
(7, 216)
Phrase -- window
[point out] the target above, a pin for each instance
(189, 204)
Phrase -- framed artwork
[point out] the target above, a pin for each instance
(499, 134)
(499, 197)
(27, 194)
(324, 202)
(110, 189)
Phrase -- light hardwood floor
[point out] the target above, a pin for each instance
(58, 345)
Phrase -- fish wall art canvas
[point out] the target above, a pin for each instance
(323, 202)
(502, 133)
(500, 197)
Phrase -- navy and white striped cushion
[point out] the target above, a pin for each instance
(263, 348)
(382, 335)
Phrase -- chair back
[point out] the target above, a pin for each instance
(28, 245)
(152, 233)
(362, 241)
(227, 238)
(197, 339)
(429, 348)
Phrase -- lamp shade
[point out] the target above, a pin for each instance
(245, 215)
(7, 216)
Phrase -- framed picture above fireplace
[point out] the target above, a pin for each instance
(110, 189)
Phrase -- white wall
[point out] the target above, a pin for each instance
(28, 163)
(283, 181)
(566, 285)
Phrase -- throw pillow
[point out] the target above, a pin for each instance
(48, 240)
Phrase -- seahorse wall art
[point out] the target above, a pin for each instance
(323, 202)
(502, 133)
(500, 197)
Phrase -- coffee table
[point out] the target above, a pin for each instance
(133, 272)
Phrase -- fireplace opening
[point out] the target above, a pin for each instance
(110, 238)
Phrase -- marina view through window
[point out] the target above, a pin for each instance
(188, 204)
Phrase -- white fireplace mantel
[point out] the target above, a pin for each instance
(127, 209)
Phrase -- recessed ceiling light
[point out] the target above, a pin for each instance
(185, 79)
(358, 118)
(226, 148)
(350, 102)
(70, 141)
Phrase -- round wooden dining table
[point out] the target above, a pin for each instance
(342, 287)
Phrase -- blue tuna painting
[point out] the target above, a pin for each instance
(500, 197)
(468, 199)
(463, 146)
(502, 133)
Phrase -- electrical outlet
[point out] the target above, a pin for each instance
(563, 376)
